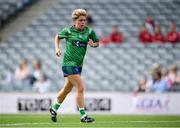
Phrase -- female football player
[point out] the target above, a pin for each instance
(77, 38)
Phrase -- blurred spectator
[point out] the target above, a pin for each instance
(22, 72)
(37, 69)
(157, 37)
(90, 21)
(174, 76)
(41, 83)
(172, 36)
(157, 84)
(0, 36)
(165, 77)
(9, 76)
(115, 37)
(142, 84)
(144, 36)
(149, 24)
(156, 66)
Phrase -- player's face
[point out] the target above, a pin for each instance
(80, 22)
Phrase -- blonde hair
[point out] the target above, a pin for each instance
(77, 13)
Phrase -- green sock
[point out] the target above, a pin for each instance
(55, 106)
(82, 112)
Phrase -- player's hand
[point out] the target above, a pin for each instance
(58, 52)
(91, 43)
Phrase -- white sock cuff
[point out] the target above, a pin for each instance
(81, 109)
(58, 103)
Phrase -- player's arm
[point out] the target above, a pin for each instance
(60, 35)
(56, 43)
(93, 41)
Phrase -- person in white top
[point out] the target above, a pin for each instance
(42, 83)
(174, 76)
(22, 72)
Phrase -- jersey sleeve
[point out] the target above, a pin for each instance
(93, 36)
(63, 33)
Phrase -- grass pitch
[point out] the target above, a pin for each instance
(102, 121)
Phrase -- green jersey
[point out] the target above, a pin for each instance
(76, 45)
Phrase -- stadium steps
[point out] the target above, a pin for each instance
(26, 17)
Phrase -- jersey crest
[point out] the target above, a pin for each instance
(79, 44)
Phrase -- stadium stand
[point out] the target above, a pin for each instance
(106, 68)
(9, 8)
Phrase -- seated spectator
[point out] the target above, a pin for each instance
(157, 84)
(174, 76)
(9, 75)
(172, 36)
(22, 72)
(149, 24)
(37, 69)
(165, 77)
(90, 21)
(144, 36)
(157, 37)
(156, 66)
(0, 35)
(142, 85)
(41, 83)
(115, 37)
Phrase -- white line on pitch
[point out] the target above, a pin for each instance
(21, 124)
